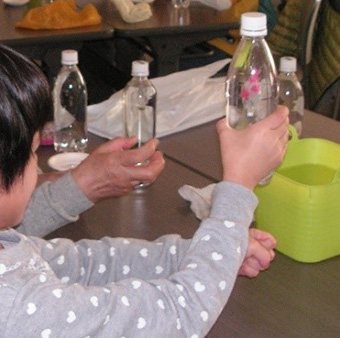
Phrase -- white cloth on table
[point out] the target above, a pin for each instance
(220, 5)
(199, 198)
(131, 12)
(184, 99)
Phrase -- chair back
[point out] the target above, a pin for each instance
(307, 30)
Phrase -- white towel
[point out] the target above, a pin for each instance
(131, 12)
(199, 198)
(220, 5)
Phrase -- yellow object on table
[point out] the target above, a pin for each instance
(301, 204)
(60, 15)
(234, 14)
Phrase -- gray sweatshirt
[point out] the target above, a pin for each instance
(117, 287)
(52, 205)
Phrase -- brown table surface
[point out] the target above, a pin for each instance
(19, 37)
(169, 31)
(198, 148)
(167, 20)
(291, 299)
(146, 212)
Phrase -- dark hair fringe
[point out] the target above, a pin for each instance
(25, 105)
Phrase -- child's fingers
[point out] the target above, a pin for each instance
(263, 257)
(265, 238)
(247, 269)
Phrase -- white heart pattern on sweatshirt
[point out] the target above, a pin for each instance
(46, 333)
(31, 308)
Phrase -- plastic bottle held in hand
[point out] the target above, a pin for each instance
(140, 97)
(251, 83)
(70, 106)
(140, 104)
(291, 92)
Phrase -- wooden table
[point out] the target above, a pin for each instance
(169, 31)
(291, 299)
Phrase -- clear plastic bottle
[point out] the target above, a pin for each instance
(291, 92)
(70, 106)
(140, 98)
(140, 104)
(251, 83)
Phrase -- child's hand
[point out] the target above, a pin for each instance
(259, 254)
(251, 154)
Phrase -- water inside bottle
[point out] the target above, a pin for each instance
(70, 112)
(71, 138)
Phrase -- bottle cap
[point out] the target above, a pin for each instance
(253, 24)
(288, 64)
(140, 68)
(69, 57)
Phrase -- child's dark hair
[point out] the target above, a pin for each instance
(25, 104)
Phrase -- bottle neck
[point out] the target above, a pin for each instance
(250, 38)
(74, 65)
(288, 74)
(140, 77)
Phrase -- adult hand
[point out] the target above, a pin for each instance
(259, 254)
(111, 171)
(249, 155)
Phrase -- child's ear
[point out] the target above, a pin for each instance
(36, 142)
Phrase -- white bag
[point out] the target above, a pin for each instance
(220, 5)
(184, 100)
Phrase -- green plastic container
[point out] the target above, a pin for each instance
(301, 204)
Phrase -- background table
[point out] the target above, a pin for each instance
(169, 31)
(19, 37)
(164, 35)
(45, 46)
(36, 43)
(291, 299)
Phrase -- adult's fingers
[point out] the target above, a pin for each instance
(117, 144)
(139, 155)
(150, 170)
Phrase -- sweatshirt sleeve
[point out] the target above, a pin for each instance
(53, 204)
(115, 288)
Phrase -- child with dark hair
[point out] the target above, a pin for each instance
(117, 287)
(25, 104)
